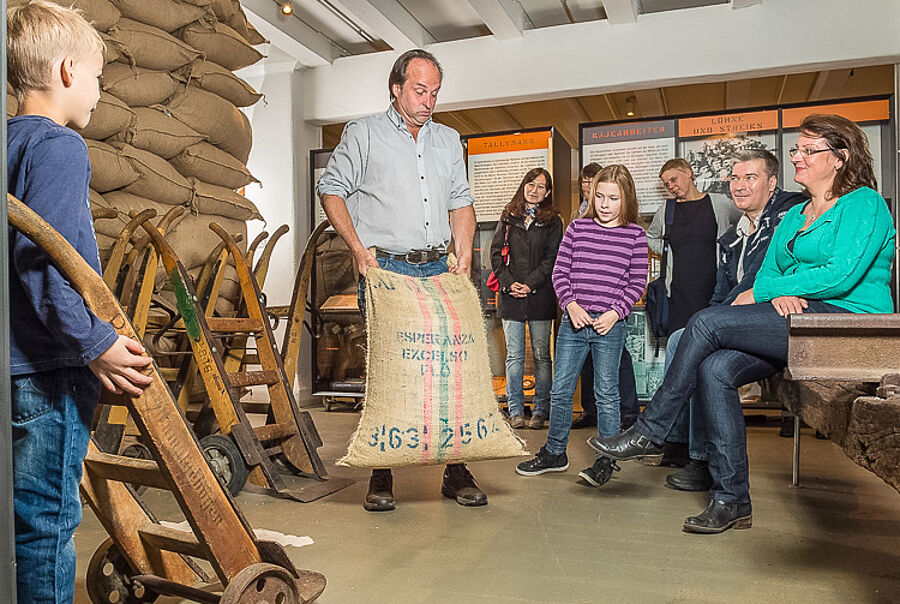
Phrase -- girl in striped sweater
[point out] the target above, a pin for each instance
(600, 273)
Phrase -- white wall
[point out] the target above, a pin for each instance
(279, 159)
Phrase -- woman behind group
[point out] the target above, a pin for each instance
(600, 272)
(523, 251)
(831, 254)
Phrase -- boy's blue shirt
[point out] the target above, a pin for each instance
(51, 327)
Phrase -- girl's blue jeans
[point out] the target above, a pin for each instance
(572, 346)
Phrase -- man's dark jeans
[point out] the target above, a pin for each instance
(628, 400)
(723, 348)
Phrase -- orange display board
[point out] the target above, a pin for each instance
(509, 142)
(863, 111)
(729, 123)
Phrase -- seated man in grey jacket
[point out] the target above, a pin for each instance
(741, 250)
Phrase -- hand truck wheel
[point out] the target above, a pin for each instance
(226, 461)
(109, 581)
(137, 451)
(260, 583)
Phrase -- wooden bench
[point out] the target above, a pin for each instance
(843, 379)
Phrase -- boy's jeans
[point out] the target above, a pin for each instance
(51, 421)
(571, 349)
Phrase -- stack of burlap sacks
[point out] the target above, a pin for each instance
(167, 129)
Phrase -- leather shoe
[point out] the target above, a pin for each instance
(693, 477)
(718, 517)
(459, 484)
(625, 446)
(380, 497)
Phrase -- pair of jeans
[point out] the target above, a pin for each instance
(51, 421)
(514, 333)
(722, 348)
(429, 269)
(572, 346)
(688, 427)
(629, 408)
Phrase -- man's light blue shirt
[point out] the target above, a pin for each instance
(398, 190)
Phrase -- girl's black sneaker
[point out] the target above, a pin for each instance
(543, 462)
(599, 473)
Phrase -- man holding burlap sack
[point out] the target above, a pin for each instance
(391, 184)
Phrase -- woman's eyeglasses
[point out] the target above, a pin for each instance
(809, 151)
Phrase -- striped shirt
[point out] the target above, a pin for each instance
(601, 268)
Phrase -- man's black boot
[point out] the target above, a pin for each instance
(693, 477)
(625, 446)
(380, 497)
(719, 517)
(459, 484)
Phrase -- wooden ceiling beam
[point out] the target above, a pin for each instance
(386, 20)
(622, 11)
(651, 102)
(505, 18)
(829, 84)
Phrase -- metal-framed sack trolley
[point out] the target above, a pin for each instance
(144, 559)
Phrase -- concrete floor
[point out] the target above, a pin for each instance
(548, 539)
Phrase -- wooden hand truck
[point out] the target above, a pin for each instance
(289, 434)
(295, 313)
(137, 275)
(143, 559)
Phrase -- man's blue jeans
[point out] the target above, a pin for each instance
(572, 346)
(514, 332)
(722, 348)
(429, 269)
(51, 421)
(689, 426)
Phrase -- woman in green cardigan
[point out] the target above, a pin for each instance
(831, 254)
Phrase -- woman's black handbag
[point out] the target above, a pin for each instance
(657, 298)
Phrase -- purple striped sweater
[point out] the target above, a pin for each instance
(601, 268)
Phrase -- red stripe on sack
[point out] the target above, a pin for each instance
(427, 384)
(457, 366)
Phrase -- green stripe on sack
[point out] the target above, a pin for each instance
(445, 433)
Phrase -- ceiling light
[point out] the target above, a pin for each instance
(630, 104)
(287, 8)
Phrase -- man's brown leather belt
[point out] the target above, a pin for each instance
(412, 257)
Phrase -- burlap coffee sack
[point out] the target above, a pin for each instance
(224, 124)
(429, 398)
(221, 44)
(223, 9)
(158, 133)
(238, 22)
(109, 170)
(101, 13)
(212, 199)
(109, 117)
(114, 50)
(216, 79)
(159, 181)
(210, 164)
(136, 86)
(167, 15)
(153, 48)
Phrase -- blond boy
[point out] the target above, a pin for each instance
(60, 353)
